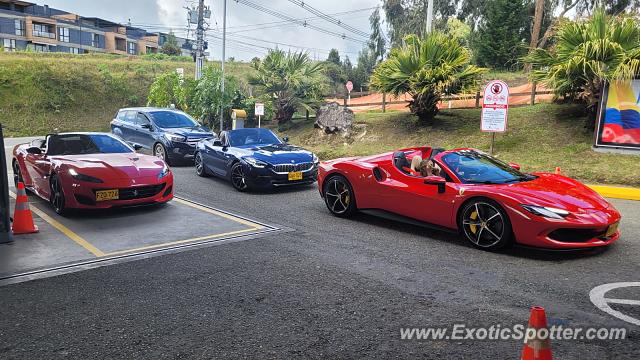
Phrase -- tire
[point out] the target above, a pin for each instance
(161, 152)
(485, 224)
(238, 178)
(201, 170)
(57, 196)
(339, 196)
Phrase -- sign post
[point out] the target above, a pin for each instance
(495, 108)
(349, 86)
(259, 110)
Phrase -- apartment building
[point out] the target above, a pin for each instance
(25, 25)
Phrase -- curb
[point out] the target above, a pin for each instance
(617, 192)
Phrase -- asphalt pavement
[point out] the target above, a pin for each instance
(331, 288)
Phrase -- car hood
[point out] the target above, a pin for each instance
(278, 153)
(198, 131)
(556, 191)
(114, 166)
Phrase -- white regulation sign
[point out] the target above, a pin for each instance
(495, 107)
(259, 109)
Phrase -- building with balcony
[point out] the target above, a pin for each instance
(25, 25)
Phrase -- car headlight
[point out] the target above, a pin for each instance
(165, 171)
(315, 159)
(255, 162)
(175, 137)
(83, 177)
(546, 211)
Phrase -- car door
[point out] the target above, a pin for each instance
(219, 155)
(144, 131)
(123, 124)
(409, 196)
(39, 167)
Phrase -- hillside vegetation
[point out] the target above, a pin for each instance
(538, 137)
(40, 93)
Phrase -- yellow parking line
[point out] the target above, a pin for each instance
(617, 192)
(221, 214)
(169, 244)
(65, 230)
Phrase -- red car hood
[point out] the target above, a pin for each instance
(114, 166)
(556, 191)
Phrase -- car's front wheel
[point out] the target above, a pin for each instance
(485, 225)
(339, 197)
(57, 196)
(161, 152)
(200, 168)
(238, 177)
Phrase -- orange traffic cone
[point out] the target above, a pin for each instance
(558, 170)
(536, 348)
(22, 218)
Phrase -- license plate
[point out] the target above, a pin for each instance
(104, 195)
(612, 230)
(295, 175)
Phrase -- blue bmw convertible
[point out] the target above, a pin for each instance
(254, 159)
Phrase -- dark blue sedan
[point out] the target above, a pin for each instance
(168, 134)
(255, 158)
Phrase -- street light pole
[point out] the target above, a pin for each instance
(429, 16)
(200, 41)
(224, 43)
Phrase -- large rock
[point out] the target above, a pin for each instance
(332, 118)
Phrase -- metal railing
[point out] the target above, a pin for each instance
(44, 34)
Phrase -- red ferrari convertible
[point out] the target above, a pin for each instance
(90, 170)
(491, 203)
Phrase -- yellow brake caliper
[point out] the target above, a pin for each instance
(473, 227)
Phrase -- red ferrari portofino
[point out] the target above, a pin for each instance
(491, 203)
(90, 170)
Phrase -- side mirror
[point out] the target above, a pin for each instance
(34, 150)
(146, 126)
(137, 147)
(439, 181)
(285, 139)
(515, 166)
(217, 142)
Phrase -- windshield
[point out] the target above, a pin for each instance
(172, 119)
(243, 137)
(478, 168)
(74, 144)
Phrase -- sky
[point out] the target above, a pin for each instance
(246, 37)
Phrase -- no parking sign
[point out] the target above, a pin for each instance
(495, 107)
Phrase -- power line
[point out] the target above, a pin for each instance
(303, 23)
(328, 18)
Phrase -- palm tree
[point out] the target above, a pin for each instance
(290, 80)
(586, 55)
(426, 68)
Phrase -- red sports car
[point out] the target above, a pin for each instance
(491, 203)
(90, 170)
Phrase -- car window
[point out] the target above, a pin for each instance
(82, 144)
(142, 120)
(130, 117)
(479, 168)
(247, 137)
(172, 119)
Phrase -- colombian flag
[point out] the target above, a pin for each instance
(622, 115)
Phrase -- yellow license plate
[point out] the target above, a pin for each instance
(612, 230)
(104, 195)
(295, 175)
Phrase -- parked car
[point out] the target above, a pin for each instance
(491, 203)
(90, 170)
(255, 158)
(168, 134)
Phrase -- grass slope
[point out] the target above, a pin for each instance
(538, 137)
(43, 92)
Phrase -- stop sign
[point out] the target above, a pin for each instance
(349, 86)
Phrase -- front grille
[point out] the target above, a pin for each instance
(287, 168)
(138, 192)
(575, 235)
(193, 141)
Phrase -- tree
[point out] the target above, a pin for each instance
(426, 68)
(290, 80)
(459, 30)
(367, 61)
(208, 96)
(171, 47)
(377, 41)
(501, 37)
(587, 54)
(169, 89)
(410, 16)
(334, 57)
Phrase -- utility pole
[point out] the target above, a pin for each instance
(200, 40)
(224, 44)
(429, 16)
